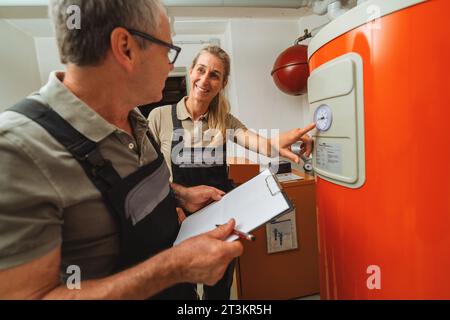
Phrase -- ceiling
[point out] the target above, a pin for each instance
(201, 20)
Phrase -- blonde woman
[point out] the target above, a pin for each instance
(193, 135)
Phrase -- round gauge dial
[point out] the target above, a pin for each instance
(323, 117)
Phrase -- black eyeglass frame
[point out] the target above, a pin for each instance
(157, 41)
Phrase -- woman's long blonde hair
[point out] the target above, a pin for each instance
(219, 106)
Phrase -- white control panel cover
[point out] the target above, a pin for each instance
(336, 97)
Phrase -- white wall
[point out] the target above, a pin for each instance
(255, 46)
(47, 56)
(19, 72)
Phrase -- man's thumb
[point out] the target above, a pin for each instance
(224, 231)
(181, 215)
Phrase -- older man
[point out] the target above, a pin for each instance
(83, 185)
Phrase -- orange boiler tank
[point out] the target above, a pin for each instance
(383, 165)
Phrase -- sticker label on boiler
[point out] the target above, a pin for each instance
(329, 157)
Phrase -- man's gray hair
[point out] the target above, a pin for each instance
(89, 44)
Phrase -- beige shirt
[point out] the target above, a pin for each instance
(46, 199)
(161, 127)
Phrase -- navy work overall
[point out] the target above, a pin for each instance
(202, 166)
(142, 204)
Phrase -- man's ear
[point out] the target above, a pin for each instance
(124, 48)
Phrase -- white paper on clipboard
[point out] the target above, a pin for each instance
(252, 204)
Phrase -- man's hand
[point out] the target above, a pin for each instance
(181, 216)
(202, 259)
(284, 141)
(206, 257)
(194, 198)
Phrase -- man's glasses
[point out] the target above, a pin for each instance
(174, 51)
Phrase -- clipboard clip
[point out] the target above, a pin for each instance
(277, 184)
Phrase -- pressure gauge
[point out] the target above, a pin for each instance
(323, 117)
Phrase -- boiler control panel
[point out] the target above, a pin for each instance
(336, 96)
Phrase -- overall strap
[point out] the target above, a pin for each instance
(154, 144)
(176, 122)
(178, 130)
(99, 170)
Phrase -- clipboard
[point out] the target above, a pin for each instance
(252, 205)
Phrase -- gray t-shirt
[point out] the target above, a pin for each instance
(46, 199)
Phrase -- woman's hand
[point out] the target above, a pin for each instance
(285, 140)
(278, 146)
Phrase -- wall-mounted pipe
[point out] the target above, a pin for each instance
(240, 3)
(190, 3)
(320, 7)
(335, 10)
(332, 8)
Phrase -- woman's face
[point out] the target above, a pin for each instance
(206, 78)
